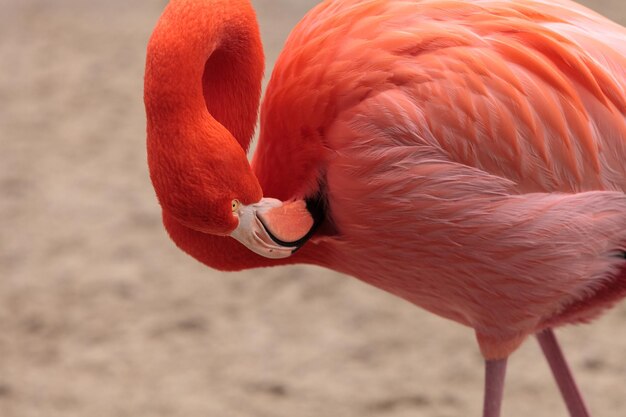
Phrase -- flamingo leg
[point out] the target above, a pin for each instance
(562, 374)
(495, 372)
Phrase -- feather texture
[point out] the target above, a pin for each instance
(472, 153)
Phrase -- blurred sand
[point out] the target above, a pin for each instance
(100, 315)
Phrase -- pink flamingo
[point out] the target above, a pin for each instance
(467, 156)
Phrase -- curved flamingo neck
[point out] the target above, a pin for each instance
(205, 56)
(203, 76)
(202, 89)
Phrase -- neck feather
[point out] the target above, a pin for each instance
(205, 56)
(202, 88)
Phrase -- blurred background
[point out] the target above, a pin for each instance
(100, 315)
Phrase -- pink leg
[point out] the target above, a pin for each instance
(562, 374)
(495, 371)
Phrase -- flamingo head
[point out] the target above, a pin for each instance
(214, 191)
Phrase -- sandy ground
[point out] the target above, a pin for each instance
(100, 315)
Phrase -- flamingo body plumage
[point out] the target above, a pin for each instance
(469, 155)
(452, 127)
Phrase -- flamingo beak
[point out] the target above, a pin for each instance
(272, 228)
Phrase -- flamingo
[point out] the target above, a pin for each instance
(467, 156)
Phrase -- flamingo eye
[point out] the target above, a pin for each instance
(235, 205)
